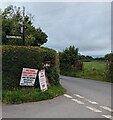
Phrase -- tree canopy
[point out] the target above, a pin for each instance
(14, 21)
(69, 59)
(69, 56)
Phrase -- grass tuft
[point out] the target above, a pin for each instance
(23, 95)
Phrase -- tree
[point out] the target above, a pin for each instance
(40, 37)
(11, 19)
(69, 60)
(108, 56)
(12, 22)
(68, 56)
(84, 58)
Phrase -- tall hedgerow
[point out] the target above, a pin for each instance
(109, 70)
(15, 58)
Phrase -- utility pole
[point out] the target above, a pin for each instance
(23, 26)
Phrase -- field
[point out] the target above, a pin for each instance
(95, 70)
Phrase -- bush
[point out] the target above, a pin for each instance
(15, 58)
(78, 65)
(109, 70)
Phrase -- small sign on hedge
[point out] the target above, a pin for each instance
(28, 77)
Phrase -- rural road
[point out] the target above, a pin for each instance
(83, 99)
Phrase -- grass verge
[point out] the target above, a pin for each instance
(23, 95)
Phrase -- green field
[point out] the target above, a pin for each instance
(93, 70)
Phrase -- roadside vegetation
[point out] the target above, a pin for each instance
(109, 70)
(0, 73)
(15, 58)
(94, 70)
(76, 65)
(22, 95)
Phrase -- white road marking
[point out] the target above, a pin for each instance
(92, 102)
(78, 96)
(107, 108)
(68, 96)
(107, 116)
(79, 102)
(93, 109)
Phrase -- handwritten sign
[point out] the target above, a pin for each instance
(28, 77)
(42, 80)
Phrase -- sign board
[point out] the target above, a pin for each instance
(28, 77)
(13, 37)
(42, 80)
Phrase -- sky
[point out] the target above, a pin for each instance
(86, 25)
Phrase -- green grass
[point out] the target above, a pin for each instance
(95, 70)
(22, 95)
(100, 66)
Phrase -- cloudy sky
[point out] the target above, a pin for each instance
(86, 25)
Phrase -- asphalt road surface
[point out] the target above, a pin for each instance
(83, 99)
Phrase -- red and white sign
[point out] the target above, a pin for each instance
(42, 80)
(28, 77)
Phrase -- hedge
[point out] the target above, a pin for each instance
(109, 70)
(15, 58)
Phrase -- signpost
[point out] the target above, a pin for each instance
(28, 77)
(42, 80)
(13, 37)
(22, 30)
